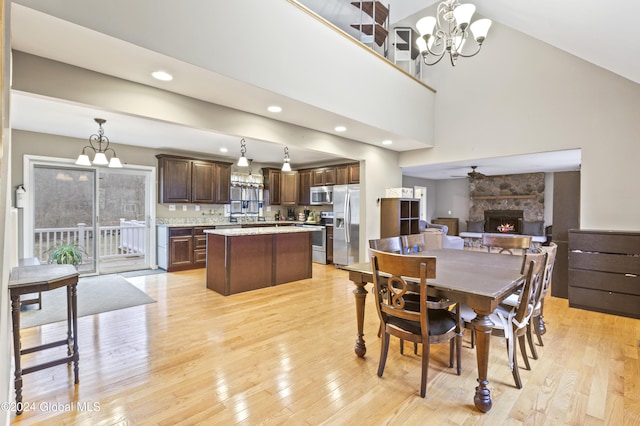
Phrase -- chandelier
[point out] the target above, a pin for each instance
(99, 144)
(448, 32)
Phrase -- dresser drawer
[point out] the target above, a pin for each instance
(605, 301)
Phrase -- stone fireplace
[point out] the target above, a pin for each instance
(507, 200)
(503, 221)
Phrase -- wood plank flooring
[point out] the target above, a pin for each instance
(284, 355)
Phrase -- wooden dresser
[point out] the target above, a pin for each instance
(451, 222)
(604, 271)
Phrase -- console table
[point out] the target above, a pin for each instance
(35, 279)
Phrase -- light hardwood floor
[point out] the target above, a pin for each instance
(284, 355)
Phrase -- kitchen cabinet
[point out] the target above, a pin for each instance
(304, 178)
(348, 174)
(222, 179)
(289, 188)
(272, 186)
(180, 253)
(329, 231)
(181, 248)
(200, 246)
(324, 176)
(187, 180)
(399, 216)
(174, 181)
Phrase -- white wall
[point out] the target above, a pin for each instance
(6, 355)
(521, 96)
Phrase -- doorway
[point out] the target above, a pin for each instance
(106, 213)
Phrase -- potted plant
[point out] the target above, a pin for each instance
(66, 254)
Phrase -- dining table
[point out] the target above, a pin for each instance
(478, 279)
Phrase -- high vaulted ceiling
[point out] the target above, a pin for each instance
(587, 32)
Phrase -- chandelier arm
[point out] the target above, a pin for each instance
(424, 59)
(473, 54)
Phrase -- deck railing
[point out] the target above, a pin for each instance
(116, 241)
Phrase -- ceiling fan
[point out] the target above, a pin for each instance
(475, 175)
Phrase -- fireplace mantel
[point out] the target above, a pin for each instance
(502, 197)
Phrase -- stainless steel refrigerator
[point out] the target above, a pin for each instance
(346, 230)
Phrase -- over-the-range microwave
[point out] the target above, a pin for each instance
(321, 195)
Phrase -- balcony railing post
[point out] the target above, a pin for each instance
(81, 232)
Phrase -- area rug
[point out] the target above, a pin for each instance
(142, 272)
(95, 295)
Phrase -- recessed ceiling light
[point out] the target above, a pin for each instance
(274, 108)
(162, 75)
(387, 142)
(224, 149)
(340, 129)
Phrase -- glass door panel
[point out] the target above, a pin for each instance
(123, 239)
(63, 212)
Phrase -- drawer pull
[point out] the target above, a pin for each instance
(631, 275)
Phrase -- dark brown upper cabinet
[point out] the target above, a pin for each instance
(188, 180)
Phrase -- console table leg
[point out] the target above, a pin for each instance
(74, 322)
(15, 319)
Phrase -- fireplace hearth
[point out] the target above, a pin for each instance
(503, 221)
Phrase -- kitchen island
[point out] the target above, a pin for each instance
(245, 259)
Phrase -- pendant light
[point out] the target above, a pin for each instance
(286, 165)
(242, 161)
(99, 144)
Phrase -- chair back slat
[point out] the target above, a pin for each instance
(507, 242)
(413, 243)
(389, 245)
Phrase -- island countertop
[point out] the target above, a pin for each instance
(259, 231)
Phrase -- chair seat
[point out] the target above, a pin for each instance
(467, 314)
(440, 322)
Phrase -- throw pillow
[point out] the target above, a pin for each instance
(477, 226)
(533, 228)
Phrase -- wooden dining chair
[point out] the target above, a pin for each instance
(511, 322)
(392, 274)
(535, 325)
(413, 243)
(506, 243)
(389, 244)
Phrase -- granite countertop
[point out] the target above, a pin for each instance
(227, 223)
(258, 231)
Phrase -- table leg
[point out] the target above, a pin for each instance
(482, 326)
(360, 294)
(70, 334)
(15, 317)
(74, 321)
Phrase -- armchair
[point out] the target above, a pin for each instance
(448, 241)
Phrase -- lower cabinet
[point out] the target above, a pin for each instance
(329, 248)
(181, 248)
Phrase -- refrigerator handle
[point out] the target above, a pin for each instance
(347, 218)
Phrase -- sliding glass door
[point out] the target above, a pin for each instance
(106, 213)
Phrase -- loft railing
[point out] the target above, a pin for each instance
(127, 239)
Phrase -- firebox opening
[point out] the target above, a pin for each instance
(503, 221)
